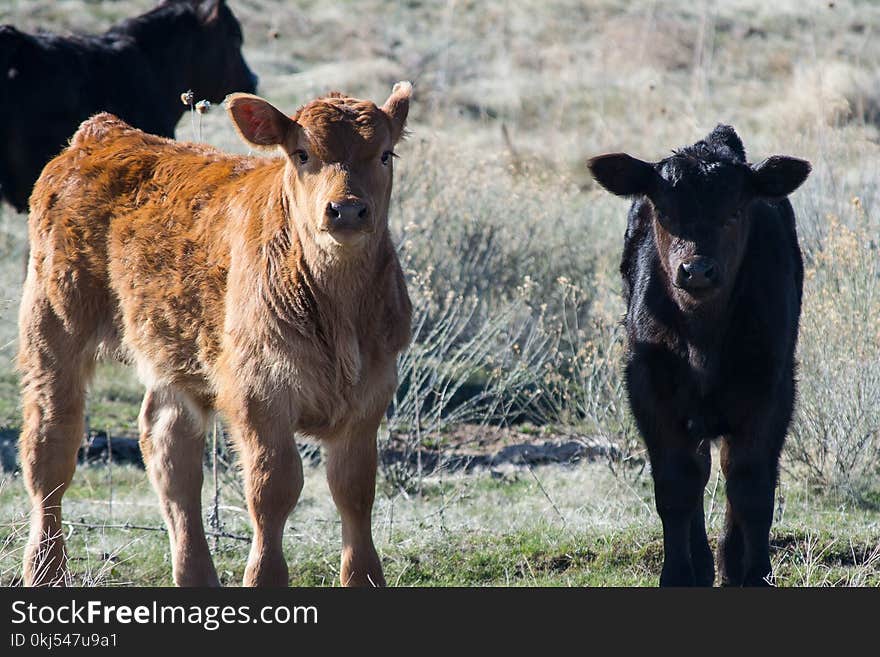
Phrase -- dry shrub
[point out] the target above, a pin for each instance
(628, 42)
(836, 435)
(587, 388)
(831, 93)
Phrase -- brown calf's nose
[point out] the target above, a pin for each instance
(698, 273)
(349, 215)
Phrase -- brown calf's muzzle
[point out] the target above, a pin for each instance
(348, 216)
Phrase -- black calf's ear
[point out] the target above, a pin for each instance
(779, 176)
(208, 10)
(622, 174)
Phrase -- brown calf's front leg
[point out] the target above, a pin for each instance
(173, 442)
(273, 480)
(351, 474)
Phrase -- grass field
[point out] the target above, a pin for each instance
(511, 255)
(560, 525)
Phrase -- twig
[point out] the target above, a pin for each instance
(401, 573)
(391, 519)
(547, 495)
(712, 499)
(146, 528)
(418, 427)
(511, 149)
(110, 472)
(214, 518)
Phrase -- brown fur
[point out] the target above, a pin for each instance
(218, 276)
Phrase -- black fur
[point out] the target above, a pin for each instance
(136, 70)
(724, 368)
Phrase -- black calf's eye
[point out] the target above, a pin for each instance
(302, 156)
(386, 157)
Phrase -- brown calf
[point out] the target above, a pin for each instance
(266, 288)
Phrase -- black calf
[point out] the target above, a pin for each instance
(136, 70)
(712, 275)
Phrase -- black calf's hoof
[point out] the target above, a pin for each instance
(680, 576)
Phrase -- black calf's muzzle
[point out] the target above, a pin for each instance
(698, 274)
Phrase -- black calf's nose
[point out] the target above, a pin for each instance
(697, 273)
(350, 215)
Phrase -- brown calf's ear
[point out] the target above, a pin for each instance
(258, 123)
(397, 107)
(623, 175)
(779, 176)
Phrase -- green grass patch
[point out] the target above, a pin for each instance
(468, 530)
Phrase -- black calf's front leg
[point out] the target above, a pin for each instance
(744, 550)
(680, 475)
(701, 553)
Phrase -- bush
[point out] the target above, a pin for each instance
(836, 435)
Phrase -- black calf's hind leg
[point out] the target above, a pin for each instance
(701, 553)
(730, 544)
(678, 490)
(731, 551)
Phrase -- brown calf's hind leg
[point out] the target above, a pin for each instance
(55, 366)
(273, 479)
(173, 442)
(351, 473)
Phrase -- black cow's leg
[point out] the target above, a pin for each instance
(678, 493)
(751, 487)
(680, 467)
(701, 553)
(731, 551)
(730, 545)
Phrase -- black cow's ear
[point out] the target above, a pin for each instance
(623, 174)
(208, 10)
(779, 176)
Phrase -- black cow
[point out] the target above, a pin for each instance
(136, 70)
(712, 276)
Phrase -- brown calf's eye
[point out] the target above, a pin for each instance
(386, 157)
(302, 156)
